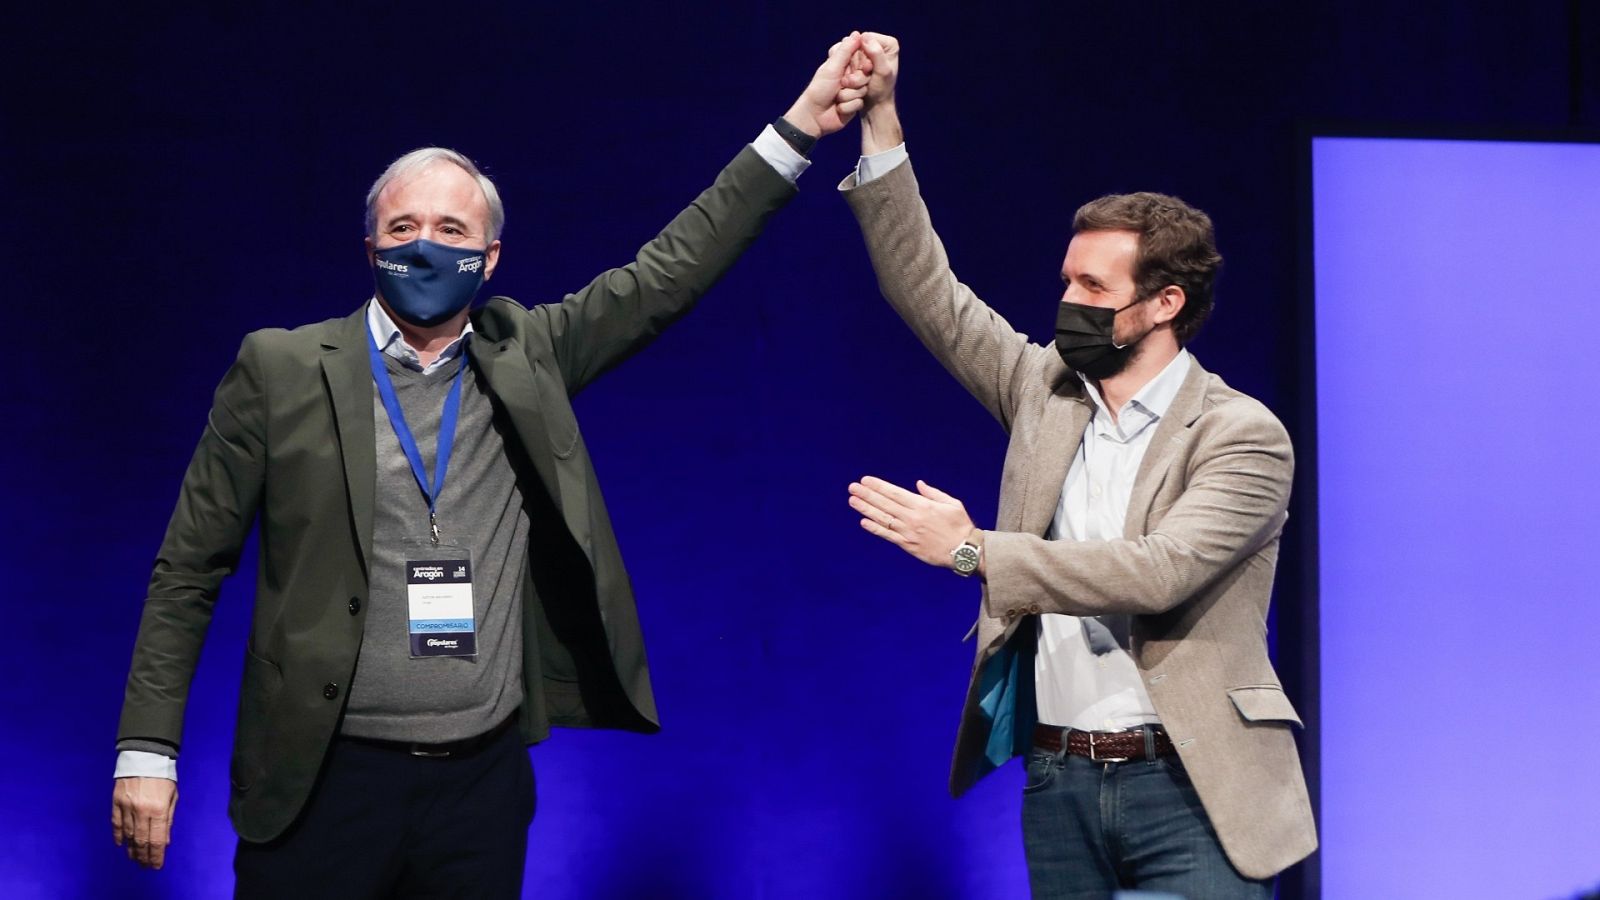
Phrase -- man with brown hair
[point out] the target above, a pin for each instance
(1122, 638)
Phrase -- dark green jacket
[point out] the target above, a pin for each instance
(290, 439)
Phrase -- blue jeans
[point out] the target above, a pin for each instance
(1091, 829)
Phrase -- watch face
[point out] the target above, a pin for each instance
(966, 559)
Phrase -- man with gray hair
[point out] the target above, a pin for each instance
(439, 580)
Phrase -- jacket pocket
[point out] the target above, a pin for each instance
(257, 696)
(1263, 703)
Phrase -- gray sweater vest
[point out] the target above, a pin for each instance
(395, 697)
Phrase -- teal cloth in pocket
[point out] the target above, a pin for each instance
(1005, 691)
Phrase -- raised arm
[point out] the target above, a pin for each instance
(977, 346)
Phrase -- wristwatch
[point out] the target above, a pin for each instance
(966, 557)
(794, 137)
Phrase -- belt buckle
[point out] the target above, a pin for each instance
(417, 750)
(1094, 757)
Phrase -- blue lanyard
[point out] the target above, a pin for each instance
(408, 444)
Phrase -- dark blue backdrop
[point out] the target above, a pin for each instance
(174, 178)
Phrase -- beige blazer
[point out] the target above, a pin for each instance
(1194, 567)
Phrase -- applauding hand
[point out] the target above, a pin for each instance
(929, 524)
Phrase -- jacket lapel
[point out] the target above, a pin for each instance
(1170, 435)
(509, 376)
(348, 374)
(1060, 433)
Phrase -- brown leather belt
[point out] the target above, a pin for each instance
(446, 750)
(1102, 746)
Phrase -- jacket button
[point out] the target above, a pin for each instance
(1034, 609)
(330, 690)
(355, 605)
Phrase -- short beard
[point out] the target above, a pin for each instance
(1115, 362)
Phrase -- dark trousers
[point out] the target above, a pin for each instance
(1095, 830)
(382, 823)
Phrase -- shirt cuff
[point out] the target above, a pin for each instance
(143, 764)
(779, 155)
(878, 164)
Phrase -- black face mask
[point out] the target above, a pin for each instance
(1084, 339)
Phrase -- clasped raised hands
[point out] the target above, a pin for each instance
(835, 94)
(858, 75)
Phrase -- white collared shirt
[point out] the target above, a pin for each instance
(1075, 687)
(874, 166)
(393, 344)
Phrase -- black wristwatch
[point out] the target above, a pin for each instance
(794, 137)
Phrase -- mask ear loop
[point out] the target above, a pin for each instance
(1114, 315)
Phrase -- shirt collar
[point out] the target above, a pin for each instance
(1148, 405)
(387, 335)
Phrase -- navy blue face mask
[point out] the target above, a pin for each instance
(426, 283)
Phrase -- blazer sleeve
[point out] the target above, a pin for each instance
(970, 340)
(216, 506)
(1234, 502)
(623, 309)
